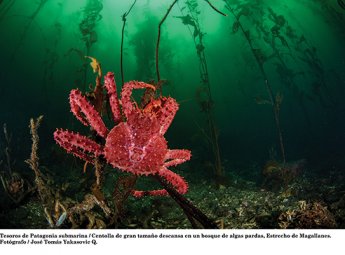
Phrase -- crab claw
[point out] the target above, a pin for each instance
(127, 105)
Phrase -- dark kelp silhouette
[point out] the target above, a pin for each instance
(124, 20)
(274, 100)
(204, 95)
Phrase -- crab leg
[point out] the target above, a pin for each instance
(86, 113)
(167, 113)
(77, 144)
(177, 157)
(110, 85)
(175, 180)
(127, 105)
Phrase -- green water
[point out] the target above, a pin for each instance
(297, 46)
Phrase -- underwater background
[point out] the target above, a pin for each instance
(260, 87)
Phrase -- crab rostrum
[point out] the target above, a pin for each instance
(136, 143)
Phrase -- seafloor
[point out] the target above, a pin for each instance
(308, 202)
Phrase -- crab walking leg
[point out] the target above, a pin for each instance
(177, 157)
(110, 85)
(172, 178)
(127, 105)
(86, 113)
(77, 144)
(167, 113)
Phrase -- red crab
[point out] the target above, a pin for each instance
(136, 144)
